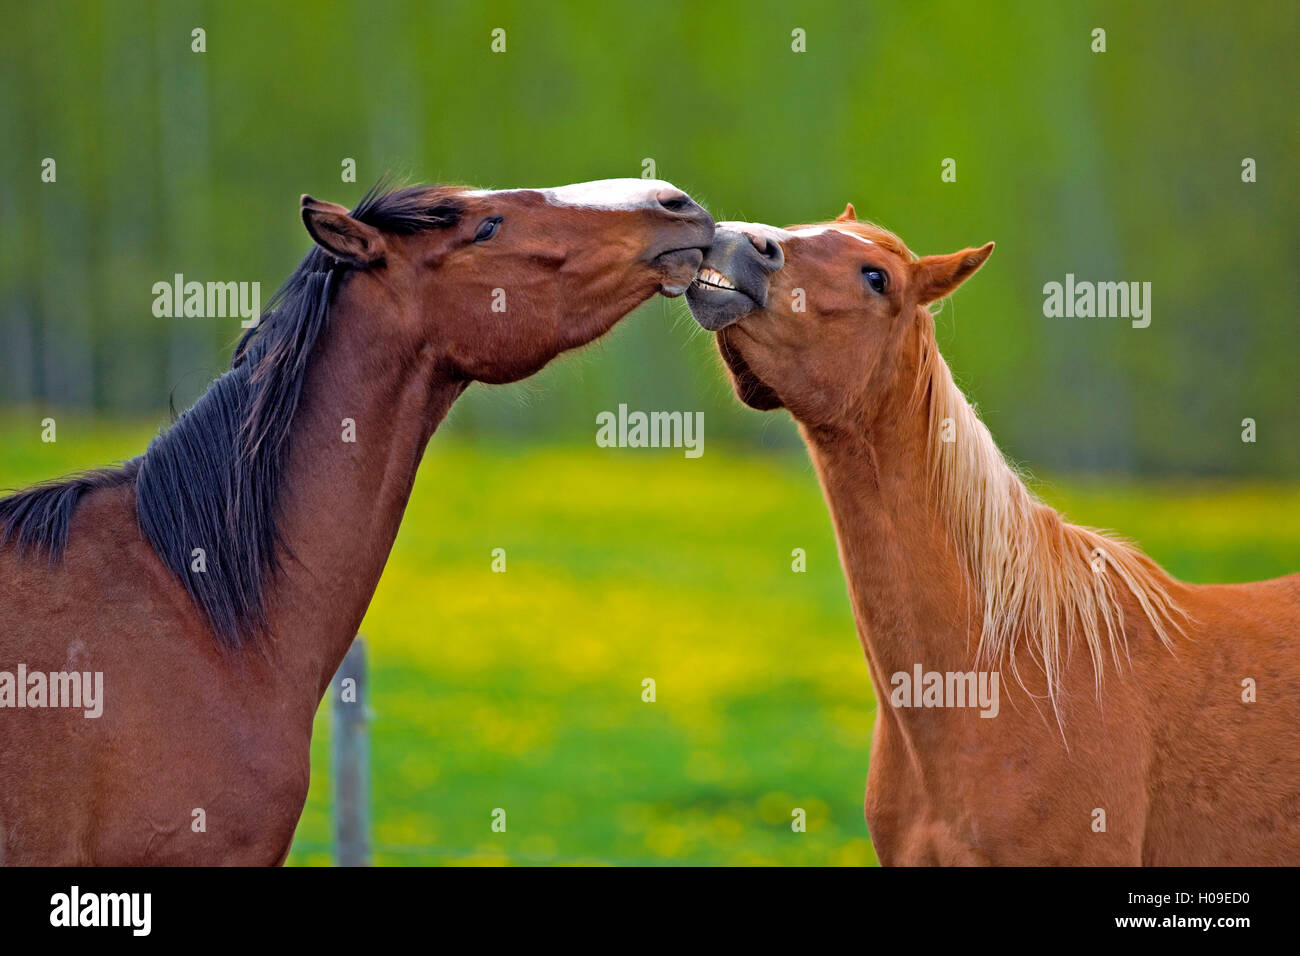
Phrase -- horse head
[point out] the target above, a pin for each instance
(818, 318)
(499, 282)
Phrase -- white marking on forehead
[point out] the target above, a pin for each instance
(818, 230)
(785, 235)
(758, 229)
(600, 194)
(610, 193)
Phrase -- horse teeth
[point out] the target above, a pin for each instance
(714, 278)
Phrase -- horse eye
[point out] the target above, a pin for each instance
(487, 229)
(876, 279)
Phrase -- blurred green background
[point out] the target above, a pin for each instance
(1123, 165)
(523, 690)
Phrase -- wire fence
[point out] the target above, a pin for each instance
(349, 775)
(350, 758)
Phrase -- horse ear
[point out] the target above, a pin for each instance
(936, 276)
(340, 235)
(848, 215)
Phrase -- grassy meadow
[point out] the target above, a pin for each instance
(523, 690)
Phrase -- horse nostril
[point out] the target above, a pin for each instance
(765, 246)
(674, 200)
(769, 249)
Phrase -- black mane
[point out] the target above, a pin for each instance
(213, 479)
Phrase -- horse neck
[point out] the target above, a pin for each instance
(342, 501)
(912, 599)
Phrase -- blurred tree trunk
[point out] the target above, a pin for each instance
(1092, 427)
(17, 262)
(60, 346)
(130, 347)
(185, 156)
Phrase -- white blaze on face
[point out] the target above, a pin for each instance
(610, 193)
(758, 229)
(600, 194)
(783, 236)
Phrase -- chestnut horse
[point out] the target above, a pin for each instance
(216, 581)
(1144, 721)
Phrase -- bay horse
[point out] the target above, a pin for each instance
(1145, 721)
(216, 581)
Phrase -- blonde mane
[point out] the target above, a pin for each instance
(1044, 582)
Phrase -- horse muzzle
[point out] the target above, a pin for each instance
(733, 278)
(681, 242)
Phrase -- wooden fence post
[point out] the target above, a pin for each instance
(350, 759)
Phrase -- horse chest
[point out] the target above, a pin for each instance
(994, 806)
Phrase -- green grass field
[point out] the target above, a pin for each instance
(523, 690)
